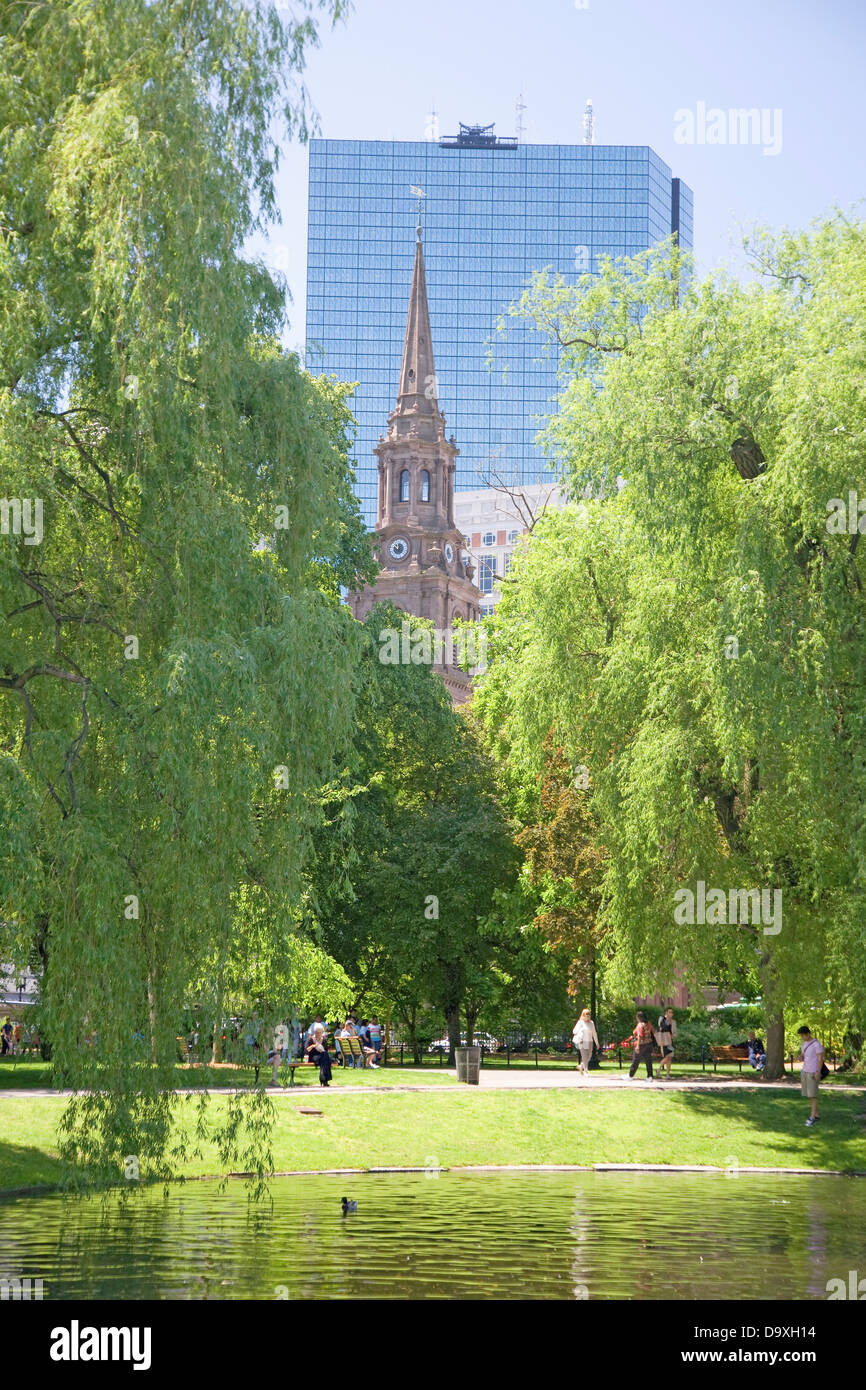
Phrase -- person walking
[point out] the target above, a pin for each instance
(583, 1036)
(643, 1046)
(280, 1050)
(810, 1073)
(665, 1036)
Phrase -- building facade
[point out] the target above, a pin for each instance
(494, 523)
(418, 544)
(495, 211)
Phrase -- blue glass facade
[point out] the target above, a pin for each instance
(491, 217)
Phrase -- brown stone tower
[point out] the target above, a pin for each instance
(417, 543)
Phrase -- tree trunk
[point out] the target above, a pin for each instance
(41, 944)
(471, 1018)
(452, 1022)
(775, 1064)
(411, 1024)
(774, 1067)
(593, 1061)
(218, 1022)
(151, 1014)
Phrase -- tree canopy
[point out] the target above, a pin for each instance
(176, 670)
(416, 847)
(694, 634)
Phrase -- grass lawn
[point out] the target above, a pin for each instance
(478, 1127)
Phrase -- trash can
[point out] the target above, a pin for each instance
(468, 1064)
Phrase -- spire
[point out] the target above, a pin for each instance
(417, 398)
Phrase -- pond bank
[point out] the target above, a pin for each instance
(722, 1128)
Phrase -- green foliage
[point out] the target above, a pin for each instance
(415, 848)
(157, 661)
(695, 1036)
(733, 414)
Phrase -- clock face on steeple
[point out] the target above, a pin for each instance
(449, 553)
(399, 548)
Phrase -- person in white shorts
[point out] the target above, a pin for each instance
(810, 1072)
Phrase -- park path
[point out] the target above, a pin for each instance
(506, 1080)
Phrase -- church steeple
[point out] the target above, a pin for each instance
(417, 397)
(423, 568)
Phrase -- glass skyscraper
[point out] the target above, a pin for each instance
(493, 212)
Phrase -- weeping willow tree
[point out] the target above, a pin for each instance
(698, 639)
(176, 672)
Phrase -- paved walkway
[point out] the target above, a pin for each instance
(570, 1081)
(507, 1079)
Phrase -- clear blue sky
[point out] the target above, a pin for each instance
(377, 75)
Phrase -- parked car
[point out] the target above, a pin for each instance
(485, 1040)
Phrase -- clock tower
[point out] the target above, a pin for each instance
(416, 541)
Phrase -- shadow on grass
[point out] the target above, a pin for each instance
(778, 1119)
(26, 1166)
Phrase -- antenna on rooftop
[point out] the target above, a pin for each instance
(519, 108)
(588, 123)
(431, 125)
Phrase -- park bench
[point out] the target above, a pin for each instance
(302, 1062)
(298, 1062)
(729, 1054)
(350, 1052)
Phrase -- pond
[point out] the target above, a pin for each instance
(456, 1235)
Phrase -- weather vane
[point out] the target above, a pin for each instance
(419, 194)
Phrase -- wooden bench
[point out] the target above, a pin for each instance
(729, 1054)
(298, 1062)
(352, 1053)
(304, 1062)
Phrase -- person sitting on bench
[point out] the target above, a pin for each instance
(757, 1055)
(363, 1033)
(346, 1034)
(317, 1052)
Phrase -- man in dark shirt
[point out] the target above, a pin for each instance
(757, 1055)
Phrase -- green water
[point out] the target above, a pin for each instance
(475, 1235)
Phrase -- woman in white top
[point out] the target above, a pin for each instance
(584, 1036)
